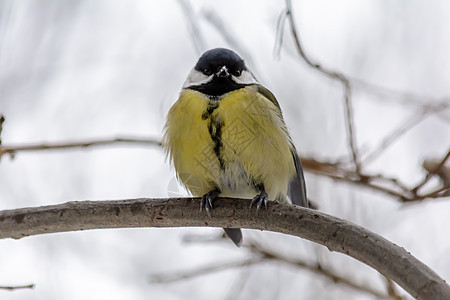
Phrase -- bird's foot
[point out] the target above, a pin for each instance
(208, 200)
(260, 200)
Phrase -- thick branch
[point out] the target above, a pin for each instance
(338, 235)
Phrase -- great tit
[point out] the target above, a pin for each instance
(225, 135)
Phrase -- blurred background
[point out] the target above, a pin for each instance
(82, 70)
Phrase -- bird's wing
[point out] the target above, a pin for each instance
(297, 186)
(268, 94)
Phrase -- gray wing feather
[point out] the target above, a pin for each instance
(297, 186)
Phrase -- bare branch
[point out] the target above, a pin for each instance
(433, 172)
(13, 149)
(2, 120)
(348, 109)
(336, 234)
(390, 186)
(415, 119)
(215, 20)
(194, 29)
(238, 285)
(279, 33)
(180, 275)
(437, 106)
(16, 287)
(317, 269)
(432, 165)
(262, 256)
(391, 289)
(401, 97)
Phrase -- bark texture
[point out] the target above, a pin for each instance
(337, 235)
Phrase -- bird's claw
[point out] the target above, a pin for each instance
(260, 200)
(207, 201)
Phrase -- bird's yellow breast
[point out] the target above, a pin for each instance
(233, 143)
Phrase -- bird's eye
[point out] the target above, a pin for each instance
(207, 71)
(237, 73)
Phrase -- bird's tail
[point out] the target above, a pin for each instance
(234, 234)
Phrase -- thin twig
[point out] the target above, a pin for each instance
(182, 275)
(402, 97)
(13, 149)
(265, 255)
(16, 287)
(439, 193)
(348, 109)
(217, 22)
(2, 119)
(392, 290)
(389, 139)
(279, 33)
(431, 165)
(194, 29)
(316, 268)
(238, 285)
(390, 186)
(432, 173)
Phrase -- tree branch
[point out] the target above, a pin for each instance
(392, 137)
(13, 149)
(433, 172)
(2, 120)
(192, 26)
(390, 186)
(217, 22)
(16, 287)
(336, 234)
(181, 275)
(264, 257)
(348, 107)
(317, 268)
(260, 255)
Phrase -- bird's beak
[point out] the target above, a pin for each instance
(223, 72)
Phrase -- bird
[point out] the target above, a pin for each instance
(226, 136)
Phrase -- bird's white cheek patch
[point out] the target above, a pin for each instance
(245, 78)
(196, 78)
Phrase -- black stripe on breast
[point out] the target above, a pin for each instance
(212, 105)
(215, 131)
(215, 125)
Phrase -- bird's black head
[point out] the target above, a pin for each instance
(212, 61)
(219, 71)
